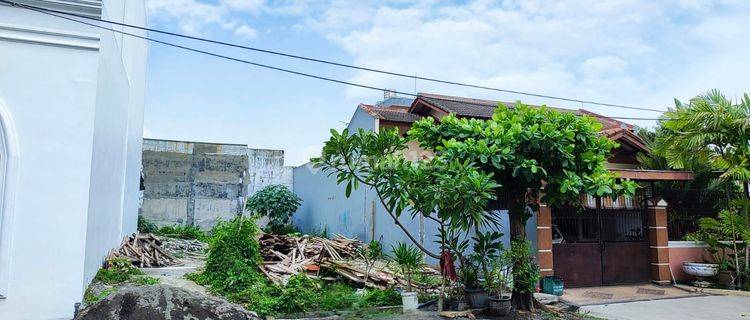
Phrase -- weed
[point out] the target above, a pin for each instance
(145, 226)
(381, 297)
(145, 281)
(338, 296)
(117, 271)
(183, 232)
(90, 298)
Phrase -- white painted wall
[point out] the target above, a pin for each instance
(71, 97)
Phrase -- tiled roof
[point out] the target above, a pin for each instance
(478, 108)
(391, 114)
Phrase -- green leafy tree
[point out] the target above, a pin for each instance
(452, 193)
(276, 202)
(532, 154)
(710, 133)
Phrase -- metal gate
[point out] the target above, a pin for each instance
(601, 242)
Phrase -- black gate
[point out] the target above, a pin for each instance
(601, 242)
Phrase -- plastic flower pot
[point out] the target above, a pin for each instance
(476, 297)
(409, 301)
(500, 305)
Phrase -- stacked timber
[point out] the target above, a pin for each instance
(144, 251)
(286, 255)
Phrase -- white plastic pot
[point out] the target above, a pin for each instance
(409, 301)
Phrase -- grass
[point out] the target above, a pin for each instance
(90, 298)
(117, 271)
(145, 281)
(183, 232)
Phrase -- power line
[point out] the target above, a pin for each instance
(288, 55)
(44, 11)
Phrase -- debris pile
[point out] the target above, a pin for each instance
(144, 251)
(284, 256)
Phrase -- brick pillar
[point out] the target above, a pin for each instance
(544, 240)
(656, 212)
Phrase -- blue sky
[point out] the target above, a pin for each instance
(643, 53)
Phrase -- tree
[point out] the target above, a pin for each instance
(276, 202)
(710, 133)
(532, 154)
(452, 193)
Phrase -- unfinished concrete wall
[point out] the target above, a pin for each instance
(194, 183)
(266, 167)
(191, 183)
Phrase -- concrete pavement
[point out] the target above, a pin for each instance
(705, 307)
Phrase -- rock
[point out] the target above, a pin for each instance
(545, 299)
(163, 302)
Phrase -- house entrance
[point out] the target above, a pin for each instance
(601, 242)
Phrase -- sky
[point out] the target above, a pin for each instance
(640, 53)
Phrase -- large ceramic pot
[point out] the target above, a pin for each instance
(500, 305)
(701, 270)
(476, 297)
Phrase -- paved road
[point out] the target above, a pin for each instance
(707, 307)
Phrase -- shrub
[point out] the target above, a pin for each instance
(409, 260)
(145, 226)
(338, 296)
(233, 254)
(381, 297)
(276, 202)
(301, 294)
(525, 272)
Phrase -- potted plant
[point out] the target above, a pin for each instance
(498, 284)
(409, 260)
(474, 293)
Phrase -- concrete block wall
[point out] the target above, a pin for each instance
(194, 183)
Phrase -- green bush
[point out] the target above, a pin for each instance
(145, 226)
(525, 272)
(184, 232)
(301, 294)
(381, 297)
(338, 296)
(233, 256)
(276, 202)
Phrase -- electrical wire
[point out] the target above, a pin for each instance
(290, 71)
(288, 55)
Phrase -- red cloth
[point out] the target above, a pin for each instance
(446, 265)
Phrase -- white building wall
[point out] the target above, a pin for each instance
(48, 85)
(113, 208)
(76, 108)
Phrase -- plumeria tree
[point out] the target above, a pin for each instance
(452, 193)
(532, 154)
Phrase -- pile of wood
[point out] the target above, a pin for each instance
(144, 251)
(285, 256)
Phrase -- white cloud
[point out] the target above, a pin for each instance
(147, 133)
(636, 52)
(246, 32)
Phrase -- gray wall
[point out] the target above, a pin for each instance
(192, 183)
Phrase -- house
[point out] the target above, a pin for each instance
(609, 241)
(198, 183)
(71, 122)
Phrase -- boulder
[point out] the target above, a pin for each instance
(163, 302)
(544, 298)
